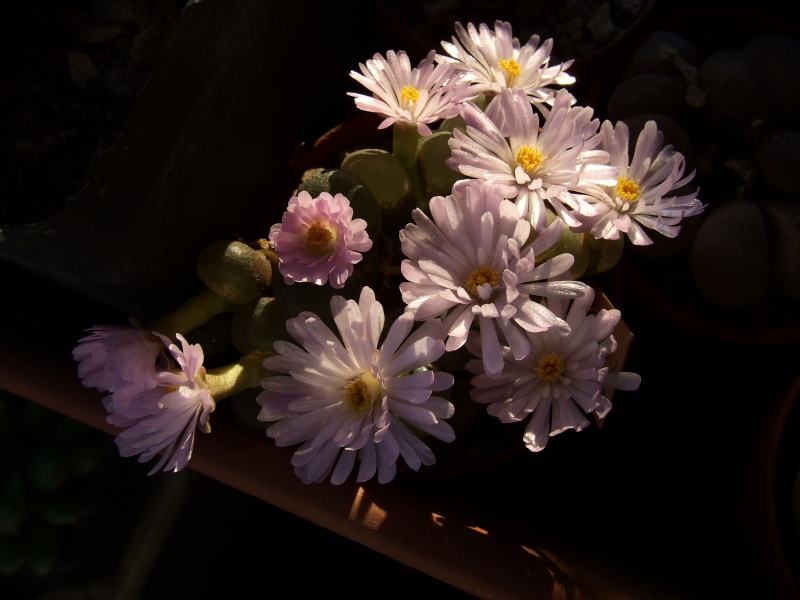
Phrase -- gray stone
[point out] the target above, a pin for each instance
(648, 93)
(777, 157)
(729, 259)
(649, 55)
(783, 221)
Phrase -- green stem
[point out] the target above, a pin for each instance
(236, 377)
(196, 311)
(405, 140)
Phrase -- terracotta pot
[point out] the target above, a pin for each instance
(775, 463)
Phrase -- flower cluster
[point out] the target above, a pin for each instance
(483, 256)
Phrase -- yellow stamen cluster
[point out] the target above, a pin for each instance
(529, 158)
(550, 367)
(320, 238)
(362, 392)
(409, 94)
(480, 276)
(510, 67)
(627, 190)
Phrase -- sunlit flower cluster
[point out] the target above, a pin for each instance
(483, 264)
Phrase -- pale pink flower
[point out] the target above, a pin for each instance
(494, 60)
(561, 380)
(163, 419)
(531, 164)
(640, 196)
(114, 358)
(348, 399)
(418, 96)
(318, 240)
(472, 261)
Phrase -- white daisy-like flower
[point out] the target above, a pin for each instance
(561, 380)
(471, 259)
(348, 400)
(639, 196)
(506, 147)
(417, 96)
(163, 419)
(495, 60)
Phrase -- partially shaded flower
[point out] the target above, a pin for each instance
(417, 96)
(318, 240)
(506, 147)
(115, 358)
(472, 260)
(639, 196)
(561, 380)
(163, 419)
(494, 60)
(348, 400)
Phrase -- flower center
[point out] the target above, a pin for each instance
(481, 276)
(409, 94)
(362, 392)
(549, 368)
(627, 190)
(320, 238)
(529, 158)
(510, 67)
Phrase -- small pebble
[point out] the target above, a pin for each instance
(783, 222)
(733, 93)
(648, 93)
(777, 156)
(649, 56)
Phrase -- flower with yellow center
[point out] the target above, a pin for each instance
(161, 418)
(562, 381)
(493, 59)
(480, 276)
(362, 392)
(627, 190)
(510, 67)
(320, 238)
(357, 397)
(471, 259)
(415, 96)
(648, 193)
(409, 94)
(538, 166)
(549, 367)
(529, 158)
